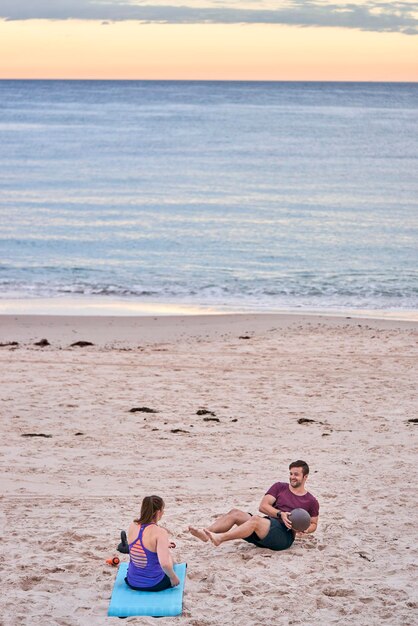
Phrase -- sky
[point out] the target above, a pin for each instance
(209, 39)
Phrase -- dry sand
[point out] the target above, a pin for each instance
(67, 495)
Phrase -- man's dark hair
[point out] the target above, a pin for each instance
(302, 464)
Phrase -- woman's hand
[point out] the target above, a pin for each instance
(174, 580)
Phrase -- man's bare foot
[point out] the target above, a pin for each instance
(214, 537)
(196, 532)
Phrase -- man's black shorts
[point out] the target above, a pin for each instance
(278, 537)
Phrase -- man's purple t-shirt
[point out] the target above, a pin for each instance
(287, 501)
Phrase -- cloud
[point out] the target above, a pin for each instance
(370, 16)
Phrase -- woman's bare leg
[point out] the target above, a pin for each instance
(256, 524)
(222, 524)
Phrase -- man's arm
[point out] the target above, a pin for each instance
(266, 506)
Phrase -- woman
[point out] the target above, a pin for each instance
(151, 564)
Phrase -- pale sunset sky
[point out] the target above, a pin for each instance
(209, 39)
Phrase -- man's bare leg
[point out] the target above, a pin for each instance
(222, 524)
(256, 524)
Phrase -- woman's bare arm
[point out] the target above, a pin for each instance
(164, 556)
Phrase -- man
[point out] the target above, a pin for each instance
(274, 530)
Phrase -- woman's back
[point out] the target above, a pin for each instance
(149, 538)
(144, 568)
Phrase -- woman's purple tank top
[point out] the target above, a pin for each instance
(144, 568)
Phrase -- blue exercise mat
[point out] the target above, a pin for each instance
(126, 602)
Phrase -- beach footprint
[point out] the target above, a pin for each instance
(29, 582)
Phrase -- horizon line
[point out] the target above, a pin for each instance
(210, 80)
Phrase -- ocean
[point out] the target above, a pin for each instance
(221, 196)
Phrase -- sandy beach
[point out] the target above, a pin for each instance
(76, 462)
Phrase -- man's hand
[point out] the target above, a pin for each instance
(285, 519)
